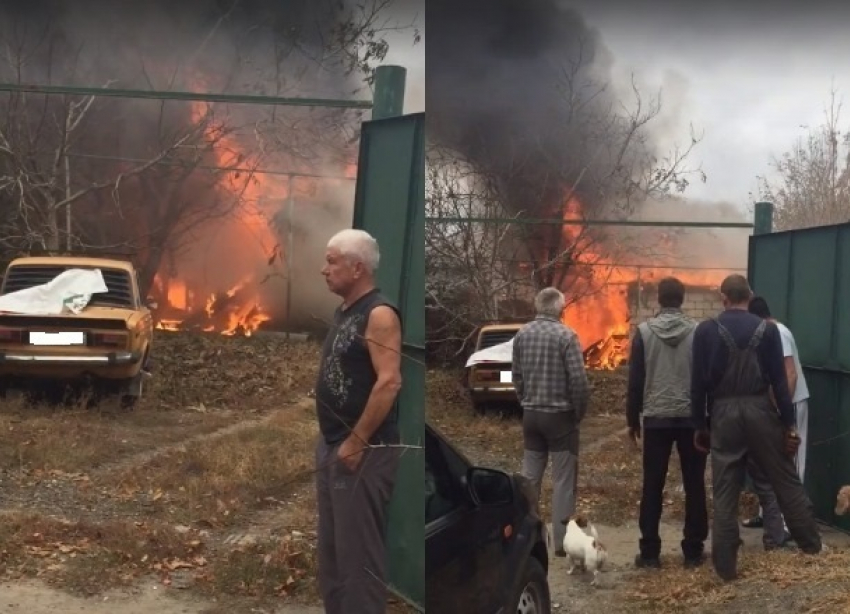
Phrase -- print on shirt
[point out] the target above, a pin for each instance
(335, 379)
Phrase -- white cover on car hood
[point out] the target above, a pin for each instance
(503, 352)
(71, 291)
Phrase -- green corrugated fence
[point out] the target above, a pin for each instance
(805, 277)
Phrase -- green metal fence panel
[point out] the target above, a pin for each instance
(390, 205)
(841, 323)
(805, 277)
(769, 265)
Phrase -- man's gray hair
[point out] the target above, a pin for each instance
(358, 246)
(550, 302)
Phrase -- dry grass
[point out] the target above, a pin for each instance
(819, 584)
(240, 373)
(610, 479)
(87, 558)
(274, 568)
(214, 480)
(72, 440)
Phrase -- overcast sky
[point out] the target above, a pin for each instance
(747, 76)
(403, 52)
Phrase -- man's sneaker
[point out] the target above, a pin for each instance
(692, 562)
(647, 563)
(756, 522)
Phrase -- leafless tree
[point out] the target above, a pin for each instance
(476, 267)
(812, 184)
(159, 213)
(616, 170)
(58, 193)
(475, 271)
(350, 48)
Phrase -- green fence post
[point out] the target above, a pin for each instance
(388, 100)
(389, 203)
(763, 222)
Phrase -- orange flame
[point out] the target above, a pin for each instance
(239, 309)
(600, 312)
(250, 242)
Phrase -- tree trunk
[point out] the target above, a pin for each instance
(52, 240)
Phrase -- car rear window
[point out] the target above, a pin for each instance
(495, 337)
(119, 282)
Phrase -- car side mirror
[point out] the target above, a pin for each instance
(489, 487)
(152, 305)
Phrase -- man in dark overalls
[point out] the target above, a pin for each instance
(737, 359)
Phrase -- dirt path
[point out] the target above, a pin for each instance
(141, 458)
(150, 598)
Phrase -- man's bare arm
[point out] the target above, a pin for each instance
(383, 339)
(791, 374)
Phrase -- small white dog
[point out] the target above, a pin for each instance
(584, 550)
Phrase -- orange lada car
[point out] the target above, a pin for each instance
(490, 384)
(107, 344)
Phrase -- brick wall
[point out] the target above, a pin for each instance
(700, 303)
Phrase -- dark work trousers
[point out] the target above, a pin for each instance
(553, 434)
(744, 426)
(352, 526)
(773, 534)
(657, 446)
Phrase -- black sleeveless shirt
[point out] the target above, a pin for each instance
(346, 374)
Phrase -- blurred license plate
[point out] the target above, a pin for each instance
(63, 338)
(506, 377)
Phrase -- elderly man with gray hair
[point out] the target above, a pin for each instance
(551, 383)
(356, 402)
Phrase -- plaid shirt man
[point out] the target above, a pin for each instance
(548, 368)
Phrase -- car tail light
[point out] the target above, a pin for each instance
(11, 335)
(487, 376)
(113, 340)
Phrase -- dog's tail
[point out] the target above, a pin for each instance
(593, 532)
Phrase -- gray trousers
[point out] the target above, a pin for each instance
(744, 429)
(352, 526)
(556, 435)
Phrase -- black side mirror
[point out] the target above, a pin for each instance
(489, 487)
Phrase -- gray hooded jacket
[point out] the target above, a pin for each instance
(667, 340)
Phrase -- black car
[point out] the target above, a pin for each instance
(485, 544)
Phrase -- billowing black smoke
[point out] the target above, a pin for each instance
(166, 44)
(514, 88)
